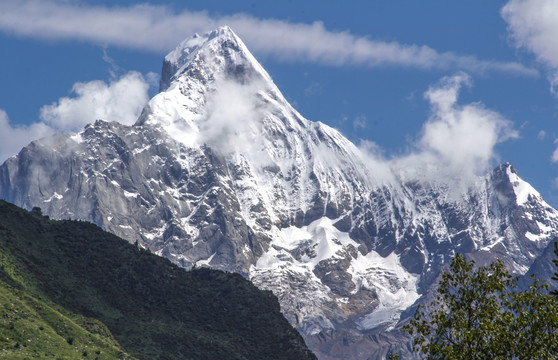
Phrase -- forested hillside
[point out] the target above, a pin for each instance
(69, 290)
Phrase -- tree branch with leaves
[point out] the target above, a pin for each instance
(478, 313)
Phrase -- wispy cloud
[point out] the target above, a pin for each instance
(159, 28)
(359, 123)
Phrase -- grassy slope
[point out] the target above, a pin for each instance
(31, 329)
(154, 309)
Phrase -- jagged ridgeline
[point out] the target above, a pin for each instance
(69, 290)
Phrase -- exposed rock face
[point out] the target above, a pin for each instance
(220, 170)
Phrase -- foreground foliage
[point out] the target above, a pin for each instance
(480, 314)
(152, 308)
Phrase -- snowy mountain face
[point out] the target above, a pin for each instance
(221, 171)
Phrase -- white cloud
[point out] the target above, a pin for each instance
(233, 122)
(462, 138)
(533, 25)
(158, 28)
(120, 100)
(232, 116)
(382, 170)
(457, 142)
(13, 138)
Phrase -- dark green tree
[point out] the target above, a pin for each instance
(478, 313)
(555, 261)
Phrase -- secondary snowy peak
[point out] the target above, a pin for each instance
(523, 191)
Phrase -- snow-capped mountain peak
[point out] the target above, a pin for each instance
(220, 98)
(222, 51)
(212, 84)
(523, 190)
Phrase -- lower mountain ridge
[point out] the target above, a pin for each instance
(69, 290)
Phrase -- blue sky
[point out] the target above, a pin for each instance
(368, 68)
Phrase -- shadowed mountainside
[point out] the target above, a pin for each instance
(155, 310)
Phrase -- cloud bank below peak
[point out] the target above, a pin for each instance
(159, 29)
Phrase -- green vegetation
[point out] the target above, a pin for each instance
(479, 314)
(31, 329)
(108, 292)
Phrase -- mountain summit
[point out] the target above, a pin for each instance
(194, 74)
(221, 171)
(217, 54)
